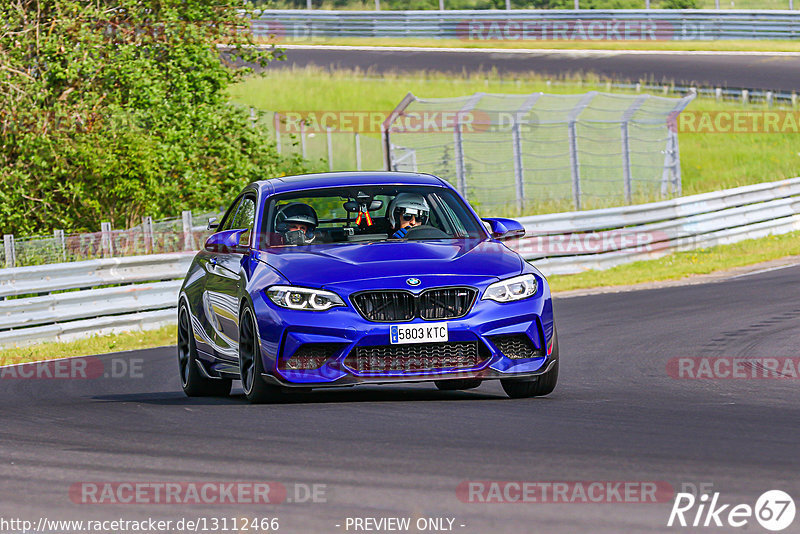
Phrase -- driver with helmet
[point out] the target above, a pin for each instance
(406, 211)
(297, 222)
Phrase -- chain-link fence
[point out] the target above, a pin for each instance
(336, 147)
(177, 234)
(515, 154)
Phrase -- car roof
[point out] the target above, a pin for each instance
(300, 182)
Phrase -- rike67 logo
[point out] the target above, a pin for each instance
(774, 510)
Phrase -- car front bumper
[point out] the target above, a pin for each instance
(284, 332)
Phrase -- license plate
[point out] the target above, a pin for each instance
(417, 333)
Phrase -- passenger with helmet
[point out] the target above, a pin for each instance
(297, 222)
(406, 211)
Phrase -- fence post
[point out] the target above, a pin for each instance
(358, 151)
(149, 237)
(519, 178)
(573, 166)
(458, 153)
(508, 5)
(441, 5)
(61, 242)
(105, 239)
(11, 253)
(277, 124)
(386, 149)
(188, 235)
(303, 139)
(377, 5)
(330, 148)
(458, 143)
(516, 146)
(574, 162)
(671, 175)
(253, 117)
(626, 163)
(626, 147)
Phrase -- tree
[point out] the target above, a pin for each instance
(113, 109)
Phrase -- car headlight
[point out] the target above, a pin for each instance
(517, 288)
(302, 298)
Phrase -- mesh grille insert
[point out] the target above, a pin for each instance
(414, 357)
(516, 346)
(310, 356)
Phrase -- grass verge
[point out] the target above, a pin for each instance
(678, 46)
(684, 264)
(90, 346)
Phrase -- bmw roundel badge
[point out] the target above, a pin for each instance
(413, 281)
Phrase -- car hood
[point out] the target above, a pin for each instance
(333, 264)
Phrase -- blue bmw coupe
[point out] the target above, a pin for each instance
(340, 279)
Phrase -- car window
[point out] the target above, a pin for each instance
(339, 221)
(245, 214)
(227, 222)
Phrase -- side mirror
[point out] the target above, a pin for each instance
(505, 228)
(228, 242)
(213, 224)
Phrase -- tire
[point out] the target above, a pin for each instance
(193, 382)
(251, 367)
(542, 385)
(458, 383)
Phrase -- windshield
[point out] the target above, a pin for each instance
(368, 214)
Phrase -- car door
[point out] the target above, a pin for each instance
(223, 281)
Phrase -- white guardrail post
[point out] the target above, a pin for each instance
(10, 252)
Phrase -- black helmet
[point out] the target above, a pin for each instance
(297, 213)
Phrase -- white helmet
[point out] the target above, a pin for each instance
(408, 203)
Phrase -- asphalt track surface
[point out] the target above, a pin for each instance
(402, 451)
(777, 72)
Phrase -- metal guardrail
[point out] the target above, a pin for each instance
(530, 25)
(68, 302)
(569, 243)
(145, 288)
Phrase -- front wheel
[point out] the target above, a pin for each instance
(251, 367)
(192, 380)
(542, 385)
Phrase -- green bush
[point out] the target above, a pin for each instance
(680, 4)
(114, 109)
